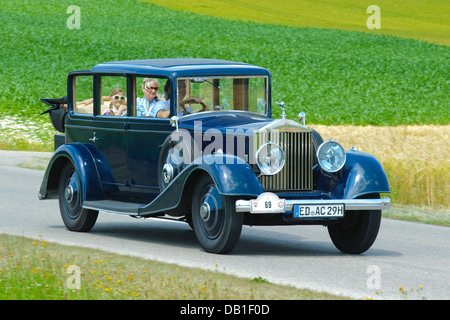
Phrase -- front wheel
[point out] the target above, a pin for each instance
(216, 223)
(75, 218)
(357, 231)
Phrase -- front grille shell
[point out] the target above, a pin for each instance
(296, 142)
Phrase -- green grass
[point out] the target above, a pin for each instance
(336, 77)
(421, 214)
(33, 269)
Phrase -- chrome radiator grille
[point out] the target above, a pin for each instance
(297, 172)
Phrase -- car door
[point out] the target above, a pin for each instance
(145, 137)
(109, 134)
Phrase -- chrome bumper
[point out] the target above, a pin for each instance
(350, 204)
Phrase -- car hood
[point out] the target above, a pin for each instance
(243, 122)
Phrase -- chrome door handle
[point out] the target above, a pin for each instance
(94, 138)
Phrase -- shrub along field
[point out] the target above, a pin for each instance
(337, 77)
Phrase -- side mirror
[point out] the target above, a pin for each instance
(174, 122)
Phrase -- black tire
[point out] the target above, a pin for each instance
(75, 218)
(357, 231)
(216, 223)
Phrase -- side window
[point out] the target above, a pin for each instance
(82, 95)
(152, 97)
(113, 96)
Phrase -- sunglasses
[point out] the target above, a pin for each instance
(119, 98)
(151, 88)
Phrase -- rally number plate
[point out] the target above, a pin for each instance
(319, 211)
(267, 202)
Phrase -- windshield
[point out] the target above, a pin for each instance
(199, 94)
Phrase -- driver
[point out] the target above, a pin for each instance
(183, 108)
(150, 105)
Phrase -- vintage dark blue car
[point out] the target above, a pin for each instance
(194, 140)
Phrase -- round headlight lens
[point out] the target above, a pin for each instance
(270, 158)
(331, 156)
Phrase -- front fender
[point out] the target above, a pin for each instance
(232, 176)
(362, 174)
(89, 164)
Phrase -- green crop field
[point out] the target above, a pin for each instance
(336, 77)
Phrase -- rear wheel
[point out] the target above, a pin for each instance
(216, 223)
(75, 218)
(357, 231)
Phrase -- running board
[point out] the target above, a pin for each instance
(113, 206)
(164, 202)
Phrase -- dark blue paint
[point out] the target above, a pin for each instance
(362, 174)
(88, 163)
(141, 140)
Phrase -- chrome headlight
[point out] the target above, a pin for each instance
(331, 156)
(270, 158)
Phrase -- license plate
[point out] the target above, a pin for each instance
(267, 202)
(319, 211)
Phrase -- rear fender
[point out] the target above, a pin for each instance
(89, 164)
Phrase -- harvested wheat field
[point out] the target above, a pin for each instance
(416, 158)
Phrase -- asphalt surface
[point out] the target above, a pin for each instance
(406, 254)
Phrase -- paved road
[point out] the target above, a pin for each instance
(405, 254)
